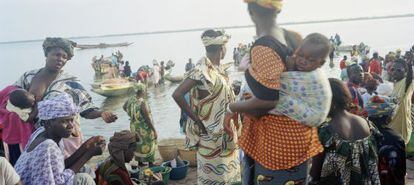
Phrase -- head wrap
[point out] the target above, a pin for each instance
(220, 40)
(57, 107)
(271, 4)
(140, 87)
(119, 143)
(22, 113)
(65, 44)
(379, 106)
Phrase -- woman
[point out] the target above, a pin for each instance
(278, 149)
(210, 93)
(350, 147)
(121, 149)
(43, 162)
(51, 81)
(156, 76)
(141, 123)
(391, 147)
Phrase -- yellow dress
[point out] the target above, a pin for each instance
(401, 122)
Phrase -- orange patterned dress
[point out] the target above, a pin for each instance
(275, 142)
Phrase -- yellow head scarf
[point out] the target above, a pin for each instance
(271, 4)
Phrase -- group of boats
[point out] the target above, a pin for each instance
(103, 45)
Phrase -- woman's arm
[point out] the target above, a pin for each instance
(92, 147)
(107, 116)
(254, 106)
(316, 169)
(148, 119)
(178, 96)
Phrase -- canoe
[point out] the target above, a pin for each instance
(344, 48)
(113, 89)
(174, 79)
(102, 45)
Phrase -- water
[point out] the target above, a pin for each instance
(381, 35)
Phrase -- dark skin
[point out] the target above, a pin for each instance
(355, 74)
(399, 72)
(189, 84)
(349, 127)
(59, 128)
(55, 61)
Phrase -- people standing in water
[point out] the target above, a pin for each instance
(162, 72)
(210, 93)
(42, 161)
(277, 148)
(121, 150)
(402, 76)
(189, 66)
(350, 145)
(127, 70)
(156, 77)
(141, 123)
(51, 80)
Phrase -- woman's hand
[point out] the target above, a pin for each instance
(94, 146)
(227, 123)
(109, 117)
(201, 128)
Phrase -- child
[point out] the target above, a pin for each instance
(17, 111)
(305, 93)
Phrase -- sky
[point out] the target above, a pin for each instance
(37, 19)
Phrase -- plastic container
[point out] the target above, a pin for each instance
(165, 172)
(178, 173)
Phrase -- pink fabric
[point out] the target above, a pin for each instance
(15, 131)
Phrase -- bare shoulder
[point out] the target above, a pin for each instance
(360, 125)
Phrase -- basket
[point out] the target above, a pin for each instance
(168, 152)
(188, 155)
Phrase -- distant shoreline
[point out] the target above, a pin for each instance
(225, 27)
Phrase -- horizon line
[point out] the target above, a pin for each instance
(223, 27)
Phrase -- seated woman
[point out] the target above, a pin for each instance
(350, 152)
(42, 161)
(121, 149)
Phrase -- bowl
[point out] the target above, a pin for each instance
(177, 173)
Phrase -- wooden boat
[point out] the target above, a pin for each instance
(174, 79)
(103, 45)
(113, 87)
(344, 48)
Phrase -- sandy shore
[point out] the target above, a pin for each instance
(192, 172)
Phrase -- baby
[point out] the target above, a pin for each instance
(305, 93)
(17, 111)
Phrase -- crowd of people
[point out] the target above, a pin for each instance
(286, 123)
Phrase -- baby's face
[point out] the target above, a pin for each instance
(30, 99)
(307, 61)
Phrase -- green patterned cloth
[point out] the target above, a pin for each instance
(349, 162)
(147, 144)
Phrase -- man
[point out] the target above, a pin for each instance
(402, 76)
(375, 65)
(162, 72)
(342, 63)
(210, 93)
(355, 76)
(127, 69)
(189, 66)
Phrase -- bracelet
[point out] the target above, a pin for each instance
(228, 109)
